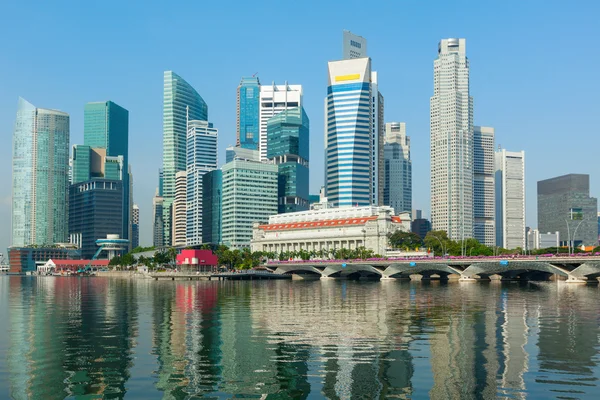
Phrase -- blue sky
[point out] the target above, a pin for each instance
(534, 72)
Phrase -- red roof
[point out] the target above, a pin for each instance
(396, 219)
(328, 223)
(79, 263)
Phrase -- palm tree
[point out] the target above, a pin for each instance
(173, 255)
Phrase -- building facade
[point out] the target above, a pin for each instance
(249, 195)
(181, 103)
(353, 134)
(484, 213)
(354, 46)
(565, 205)
(158, 227)
(420, 226)
(510, 199)
(397, 191)
(135, 227)
(201, 158)
(273, 100)
(212, 203)
(288, 148)
(248, 109)
(537, 240)
(329, 229)
(95, 211)
(232, 153)
(40, 176)
(451, 124)
(27, 259)
(180, 210)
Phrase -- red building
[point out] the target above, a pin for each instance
(197, 260)
(74, 265)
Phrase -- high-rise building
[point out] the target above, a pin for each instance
(232, 152)
(354, 135)
(451, 124)
(40, 173)
(484, 213)
(181, 103)
(201, 158)
(273, 100)
(249, 196)
(158, 227)
(248, 106)
(288, 148)
(212, 202)
(510, 199)
(397, 191)
(565, 205)
(420, 226)
(106, 126)
(179, 210)
(354, 46)
(135, 227)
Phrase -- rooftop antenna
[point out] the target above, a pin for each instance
(253, 75)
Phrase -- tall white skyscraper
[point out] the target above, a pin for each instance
(451, 127)
(354, 46)
(510, 199)
(201, 158)
(353, 134)
(397, 192)
(180, 210)
(273, 100)
(483, 185)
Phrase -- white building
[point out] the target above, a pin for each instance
(179, 210)
(354, 46)
(537, 240)
(397, 191)
(330, 229)
(201, 158)
(452, 142)
(273, 100)
(484, 229)
(510, 199)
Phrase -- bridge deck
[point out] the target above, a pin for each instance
(245, 275)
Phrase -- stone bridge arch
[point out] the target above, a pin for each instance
(512, 269)
(587, 270)
(294, 269)
(404, 270)
(350, 270)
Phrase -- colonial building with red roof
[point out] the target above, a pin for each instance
(330, 229)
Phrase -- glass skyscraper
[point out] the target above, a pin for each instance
(40, 176)
(181, 103)
(248, 106)
(212, 191)
(106, 126)
(288, 147)
(397, 192)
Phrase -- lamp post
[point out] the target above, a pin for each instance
(574, 233)
(568, 237)
(441, 244)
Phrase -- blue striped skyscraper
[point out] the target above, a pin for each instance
(354, 135)
(248, 108)
(40, 176)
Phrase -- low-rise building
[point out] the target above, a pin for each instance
(27, 259)
(329, 229)
(197, 260)
(537, 240)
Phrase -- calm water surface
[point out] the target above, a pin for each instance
(94, 338)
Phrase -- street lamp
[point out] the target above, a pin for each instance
(441, 244)
(571, 240)
(574, 233)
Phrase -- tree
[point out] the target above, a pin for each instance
(161, 257)
(172, 253)
(127, 260)
(116, 260)
(400, 239)
(438, 241)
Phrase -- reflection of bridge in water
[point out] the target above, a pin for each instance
(571, 269)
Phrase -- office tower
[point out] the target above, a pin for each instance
(354, 135)
(181, 103)
(249, 196)
(232, 152)
(565, 205)
(397, 191)
(273, 100)
(510, 199)
(179, 210)
(354, 46)
(158, 227)
(248, 106)
(288, 148)
(212, 189)
(451, 127)
(484, 213)
(40, 173)
(160, 181)
(420, 226)
(135, 227)
(106, 126)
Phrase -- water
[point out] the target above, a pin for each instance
(94, 338)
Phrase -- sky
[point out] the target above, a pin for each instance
(534, 73)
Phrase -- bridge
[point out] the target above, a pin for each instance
(573, 269)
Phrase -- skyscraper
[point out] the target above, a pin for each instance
(273, 100)
(135, 227)
(510, 199)
(201, 158)
(451, 127)
(484, 229)
(248, 108)
(212, 202)
(179, 210)
(40, 172)
(288, 148)
(354, 46)
(397, 191)
(354, 135)
(158, 226)
(180, 104)
(106, 126)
